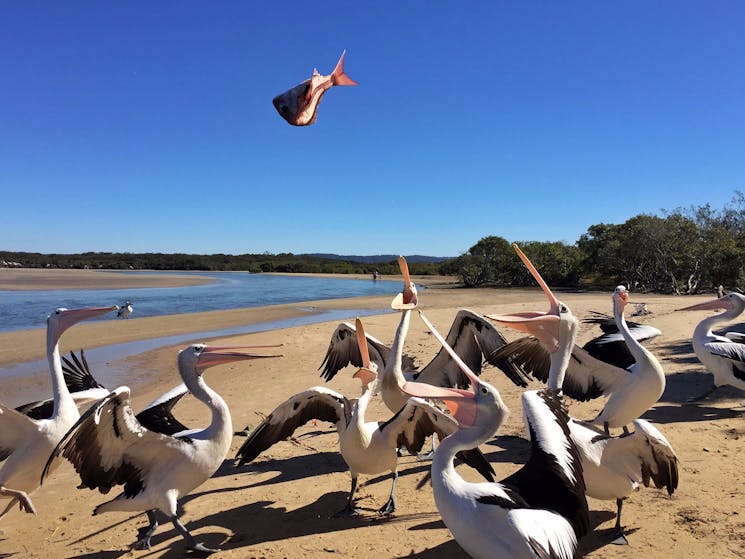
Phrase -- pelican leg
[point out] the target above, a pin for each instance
(428, 455)
(349, 510)
(191, 543)
(144, 534)
(390, 505)
(23, 500)
(606, 428)
(620, 537)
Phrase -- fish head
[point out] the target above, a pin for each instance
(292, 104)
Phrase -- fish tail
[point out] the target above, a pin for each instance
(338, 76)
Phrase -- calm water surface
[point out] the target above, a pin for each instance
(21, 310)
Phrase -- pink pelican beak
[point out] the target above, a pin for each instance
(367, 373)
(218, 355)
(542, 325)
(70, 317)
(711, 305)
(461, 403)
(406, 300)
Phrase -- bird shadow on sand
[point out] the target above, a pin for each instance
(288, 469)
(675, 405)
(261, 522)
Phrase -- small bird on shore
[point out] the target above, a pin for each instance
(125, 310)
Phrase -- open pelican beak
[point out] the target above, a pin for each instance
(544, 326)
(406, 300)
(461, 403)
(218, 355)
(362, 343)
(713, 304)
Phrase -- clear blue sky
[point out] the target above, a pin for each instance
(148, 126)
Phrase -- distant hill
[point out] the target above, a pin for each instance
(376, 258)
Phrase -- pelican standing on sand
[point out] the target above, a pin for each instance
(722, 356)
(368, 447)
(613, 467)
(630, 391)
(25, 443)
(471, 335)
(109, 447)
(538, 512)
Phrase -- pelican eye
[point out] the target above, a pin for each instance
(562, 308)
(484, 390)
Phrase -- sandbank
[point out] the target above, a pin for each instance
(282, 504)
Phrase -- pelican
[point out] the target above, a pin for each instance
(29, 435)
(368, 447)
(630, 392)
(472, 336)
(81, 384)
(538, 512)
(723, 356)
(125, 310)
(613, 466)
(108, 446)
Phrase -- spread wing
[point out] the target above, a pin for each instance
(15, 428)
(108, 446)
(77, 373)
(158, 414)
(611, 347)
(474, 338)
(552, 477)
(343, 350)
(80, 382)
(586, 377)
(643, 456)
(315, 403)
(419, 419)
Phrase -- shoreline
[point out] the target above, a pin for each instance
(291, 490)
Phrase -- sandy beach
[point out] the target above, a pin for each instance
(281, 504)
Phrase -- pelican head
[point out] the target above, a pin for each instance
(551, 327)
(200, 357)
(481, 408)
(62, 319)
(732, 302)
(407, 299)
(620, 298)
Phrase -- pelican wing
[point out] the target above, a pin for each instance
(419, 419)
(108, 446)
(15, 428)
(77, 373)
(315, 403)
(738, 337)
(474, 338)
(731, 350)
(158, 414)
(552, 477)
(343, 350)
(643, 456)
(611, 346)
(586, 377)
(43, 409)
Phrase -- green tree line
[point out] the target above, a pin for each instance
(683, 251)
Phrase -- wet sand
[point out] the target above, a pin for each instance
(15, 279)
(281, 504)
